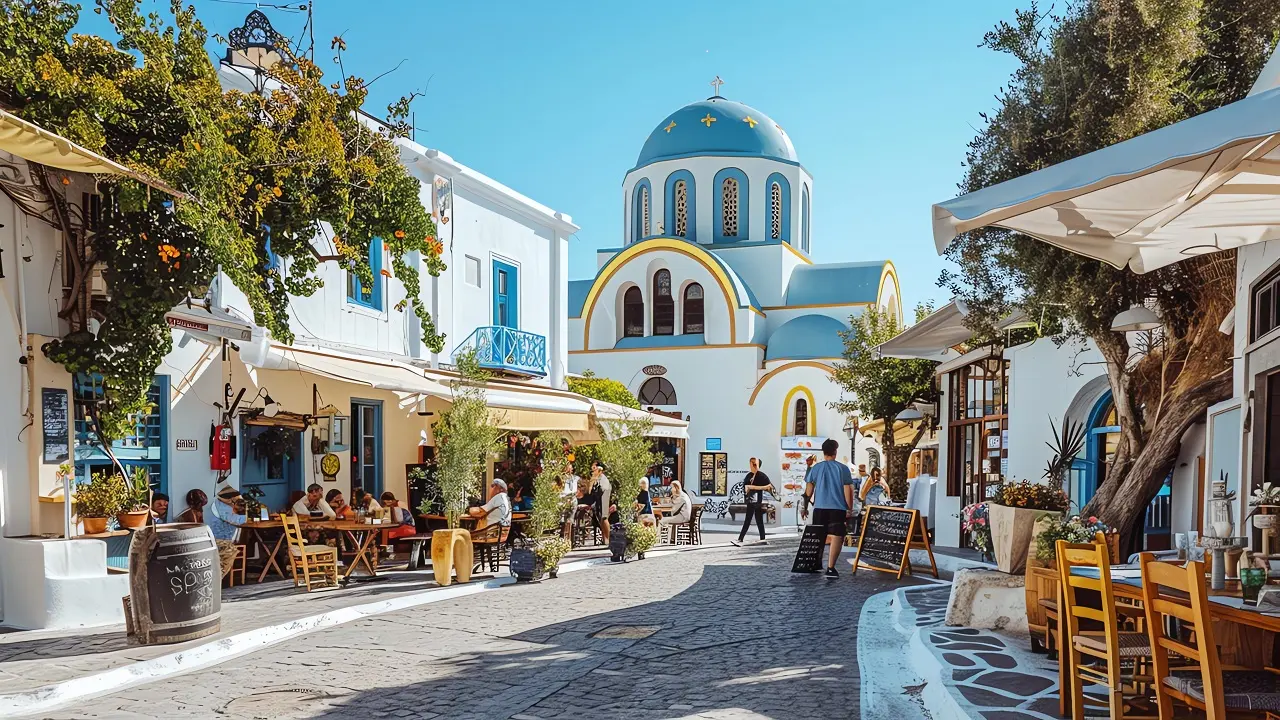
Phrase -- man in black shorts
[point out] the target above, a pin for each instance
(830, 486)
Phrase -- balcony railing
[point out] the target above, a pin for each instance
(508, 350)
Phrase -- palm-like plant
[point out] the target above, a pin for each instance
(1066, 445)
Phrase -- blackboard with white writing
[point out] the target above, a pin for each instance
(885, 539)
(809, 554)
(54, 424)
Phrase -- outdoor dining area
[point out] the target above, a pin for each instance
(1151, 638)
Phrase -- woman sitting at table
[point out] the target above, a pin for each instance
(196, 500)
(875, 489)
(521, 501)
(341, 510)
(681, 508)
(401, 519)
(361, 500)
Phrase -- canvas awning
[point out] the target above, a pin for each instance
(209, 324)
(663, 426)
(537, 409)
(360, 369)
(1208, 183)
(35, 144)
(930, 339)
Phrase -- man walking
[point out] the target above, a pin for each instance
(830, 485)
(754, 486)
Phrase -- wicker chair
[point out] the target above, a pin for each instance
(490, 544)
(689, 533)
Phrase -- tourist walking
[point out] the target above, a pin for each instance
(829, 485)
(604, 489)
(681, 509)
(754, 486)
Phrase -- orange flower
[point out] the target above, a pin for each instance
(399, 234)
(277, 191)
(66, 180)
(385, 272)
(434, 246)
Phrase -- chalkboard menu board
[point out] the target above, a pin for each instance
(809, 554)
(54, 423)
(886, 539)
(424, 486)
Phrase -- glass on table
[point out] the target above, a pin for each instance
(1252, 580)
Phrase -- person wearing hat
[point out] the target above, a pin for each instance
(226, 514)
(498, 508)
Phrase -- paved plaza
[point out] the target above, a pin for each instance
(716, 633)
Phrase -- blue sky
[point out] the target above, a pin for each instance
(555, 99)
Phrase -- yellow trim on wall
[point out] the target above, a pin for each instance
(673, 347)
(890, 272)
(821, 305)
(644, 247)
(812, 420)
(769, 375)
(797, 253)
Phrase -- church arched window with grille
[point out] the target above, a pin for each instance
(692, 310)
(731, 219)
(779, 204)
(804, 218)
(775, 211)
(657, 391)
(682, 208)
(640, 212)
(633, 313)
(802, 417)
(729, 207)
(664, 306)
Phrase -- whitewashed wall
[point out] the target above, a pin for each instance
(1044, 377)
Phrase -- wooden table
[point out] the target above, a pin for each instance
(362, 536)
(256, 530)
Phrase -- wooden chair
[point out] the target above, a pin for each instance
(1107, 649)
(1210, 687)
(238, 565)
(320, 561)
(689, 533)
(585, 527)
(490, 544)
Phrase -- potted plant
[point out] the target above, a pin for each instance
(1074, 530)
(1012, 515)
(640, 539)
(466, 436)
(541, 552)
(136, 509)
(99, 499)
(627, 453)
(973, 520)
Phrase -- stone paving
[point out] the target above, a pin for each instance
(718, 633)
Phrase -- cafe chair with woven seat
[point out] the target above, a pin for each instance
(586, 531)
(1097, 657)
(689, 533)
(314, 565)
(239, 561)
(1210, 687)
(490, 543)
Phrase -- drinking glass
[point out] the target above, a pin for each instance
(1251, 581)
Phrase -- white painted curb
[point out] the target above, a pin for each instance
(227, 648)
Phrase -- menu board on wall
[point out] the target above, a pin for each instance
(713, 473)
(54, 423)
(722, 473)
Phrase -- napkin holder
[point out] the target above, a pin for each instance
(1269, 599)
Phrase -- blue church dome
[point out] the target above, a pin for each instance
(807, 337)
(717, 126)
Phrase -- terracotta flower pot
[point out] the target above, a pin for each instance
(133, 520)
(451, 553)
(94, 525)
(1012, 533)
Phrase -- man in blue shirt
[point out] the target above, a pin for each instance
(829, 485)
(226, 515)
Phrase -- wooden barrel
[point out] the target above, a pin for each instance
(175, 583)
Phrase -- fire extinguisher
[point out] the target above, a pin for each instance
(221, 448)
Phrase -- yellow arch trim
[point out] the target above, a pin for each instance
(682, 247)
(889, 272)
(786, 408)
(799, 363)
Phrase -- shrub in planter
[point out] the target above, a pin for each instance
(1012, 515)
(973, 520)
(99, 499)
(1074, 530)
(137, 502)
(640, 538)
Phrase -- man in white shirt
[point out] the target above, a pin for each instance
(605, 488)
(313, 502)
(498, 509)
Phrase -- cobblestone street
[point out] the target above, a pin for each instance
(717, 633)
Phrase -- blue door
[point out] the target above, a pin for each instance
(506, 295)
(366, 445)
(271, 461)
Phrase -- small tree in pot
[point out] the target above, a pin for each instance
(466, 436)
(136, 509)
(98, 500)
(627, 454)
(543, 551)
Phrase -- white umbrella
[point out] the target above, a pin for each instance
(1208, 183)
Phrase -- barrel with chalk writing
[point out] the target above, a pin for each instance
(175, 583)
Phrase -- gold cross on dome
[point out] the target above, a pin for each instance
(750, 121)
(715, 86)
(668, 127)
(708, 120)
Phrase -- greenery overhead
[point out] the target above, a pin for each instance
(602, 388)
(1095, 73)
(627, 454)
(876, 388)
(466, 437)
(274, 182)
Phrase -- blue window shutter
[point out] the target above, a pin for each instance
(355, 289)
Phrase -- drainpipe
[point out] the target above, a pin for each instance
(19, 232)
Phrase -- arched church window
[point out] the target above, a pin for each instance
(640, 212)
(633, 313)
(804, 219)
(775, 211)
(682, 208)
(802, 417)
(729, 207)
(644, 211)
(693, 309)
(664, 307)
(657, 391)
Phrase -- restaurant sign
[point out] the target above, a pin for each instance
(654, 370)
(223, 331)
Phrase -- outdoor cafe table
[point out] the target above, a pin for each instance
(1237, 646)
(362, 535)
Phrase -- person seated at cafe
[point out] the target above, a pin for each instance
(875, 489)
(361, 500)
(160, 507)
(521, 501)
(644, 507)
(681, 508)
(313, 505)
(196, 500)
(497, 510)
(341, 509)
(402, 524)
(226, 515)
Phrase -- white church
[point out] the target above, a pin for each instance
(713, 309)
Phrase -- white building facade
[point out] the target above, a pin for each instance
(712, 307)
